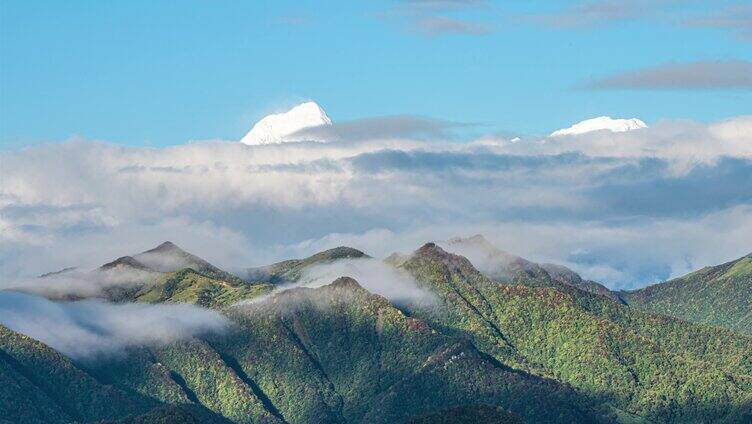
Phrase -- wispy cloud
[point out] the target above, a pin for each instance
(720, 75)
(603, 12)
(735, 18)
(443, 17)
(374, 275)
(437, 25)
(381, 128)
(89, 330)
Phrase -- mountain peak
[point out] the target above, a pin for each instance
(282, 127)
(341, 252)
(434, 252)
(167, 246)
(431, 248)
(477, 239)
(599, 124)
(124, 262)
(345, 283)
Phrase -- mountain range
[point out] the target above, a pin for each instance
(496, 339)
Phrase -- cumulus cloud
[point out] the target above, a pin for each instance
(88, 330)
(85, 203)
(682, 144)
(721, 75)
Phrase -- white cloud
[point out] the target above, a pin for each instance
(372, 274)
(684, 144)
(85, 203)
(89, 330)
(622, 255)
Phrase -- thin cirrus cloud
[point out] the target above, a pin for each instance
(439, 17)
(437, 25)
(601, 12)
(701, 75)
(736, 18)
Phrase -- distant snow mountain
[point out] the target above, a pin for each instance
(601, 123)
(281, 127)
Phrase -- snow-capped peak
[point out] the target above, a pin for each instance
(601, 123)
(281, 127)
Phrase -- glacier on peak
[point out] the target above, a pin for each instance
(601, 123)
(282, 127)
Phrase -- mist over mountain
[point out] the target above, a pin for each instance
(719, 295)
(613, 206)
(376, 212)
(343, 337)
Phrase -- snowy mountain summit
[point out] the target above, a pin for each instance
(601, 123)
(282, 127)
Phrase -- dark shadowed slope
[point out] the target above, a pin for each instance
(718, 295)
(39, 385)
(477, 414)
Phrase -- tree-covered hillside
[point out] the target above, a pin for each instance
(659, 368)
(718, 295)
(480, 350)
(504, 267)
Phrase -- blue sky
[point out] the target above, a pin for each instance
(155, 74)
(98, 101)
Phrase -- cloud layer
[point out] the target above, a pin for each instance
(585, 200)
(89, 330)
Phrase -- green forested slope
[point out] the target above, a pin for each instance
(372, 363)
(339, 354)
(718, 295)
(662, 369)
(189, 286)
(39, 385)
(290, 270)
(504, 267)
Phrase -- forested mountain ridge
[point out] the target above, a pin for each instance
(504, 267)
(510, 351)
(719, 295)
